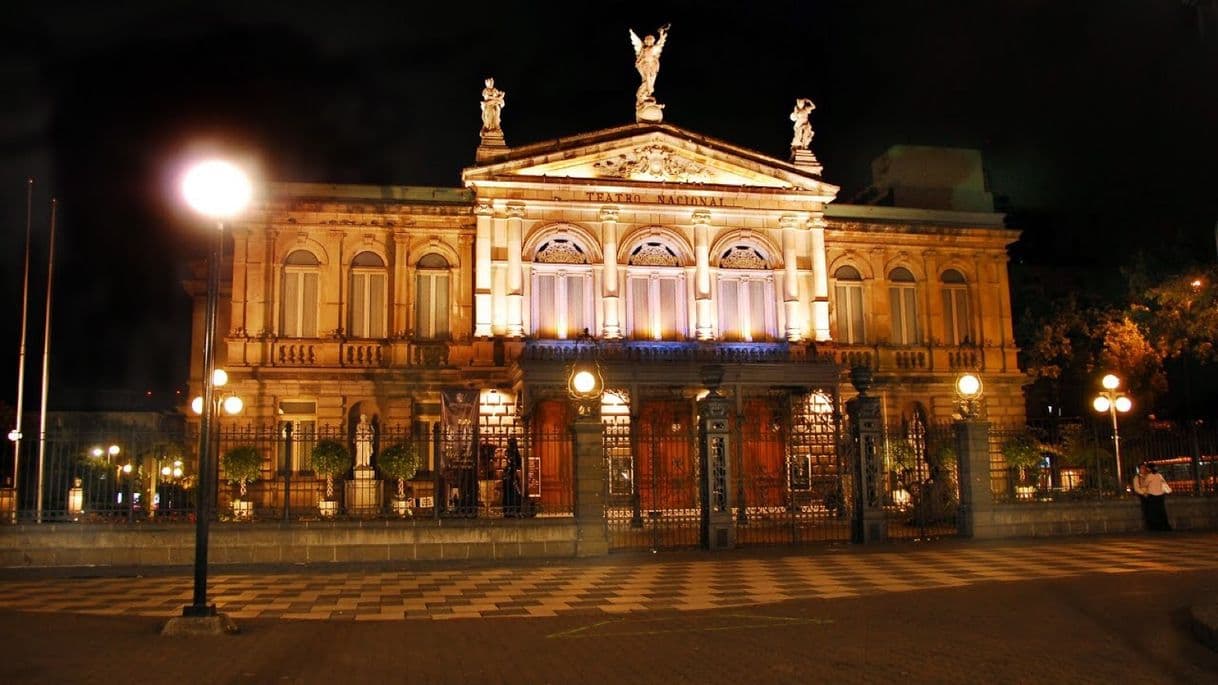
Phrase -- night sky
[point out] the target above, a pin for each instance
(1097, 119)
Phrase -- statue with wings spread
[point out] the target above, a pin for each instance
(647, 61)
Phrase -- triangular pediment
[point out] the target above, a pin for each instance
(648, 153)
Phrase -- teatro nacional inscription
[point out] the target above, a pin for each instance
(657, 198)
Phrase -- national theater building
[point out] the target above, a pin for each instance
(672, 250)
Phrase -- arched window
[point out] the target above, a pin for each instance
(366, 315)
(431, 298)
(957, 326)
(903, 301)
(655, 308)
(298, 311)
(745, 295)
(848, 289)
(561, 296)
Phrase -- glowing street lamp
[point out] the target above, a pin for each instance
(218, 190)
(968, 390)
(1111, 401)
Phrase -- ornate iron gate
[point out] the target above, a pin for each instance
(791, 479)
(653, 496)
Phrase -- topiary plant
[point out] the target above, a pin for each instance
(242, 465)
(400, 461)
(330, 458)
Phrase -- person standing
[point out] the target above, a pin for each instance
(511, 480)
(1152, 489)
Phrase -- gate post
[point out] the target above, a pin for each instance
(867, 429)
(976, 498)
(592, 534)
(714, 447)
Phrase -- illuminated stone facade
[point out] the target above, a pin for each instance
(664, 244)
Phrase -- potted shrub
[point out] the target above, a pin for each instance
(400, 461)
(330, 459)
(242, 466)
(1023, 452)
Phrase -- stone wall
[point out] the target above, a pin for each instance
(1045, 519)
(298, 543)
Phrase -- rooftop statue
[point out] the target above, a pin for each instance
(647, 61)
(803, 129)
(492, 105)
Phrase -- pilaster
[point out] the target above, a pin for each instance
(820, 278)
(515, 277)
(483, 297)
(704, 311)
(609, 281)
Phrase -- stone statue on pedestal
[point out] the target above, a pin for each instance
(364, 433)
(803, 129)
(647, 61)
(492, 105)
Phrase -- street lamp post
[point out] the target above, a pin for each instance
(218, 190)
(1111, 401)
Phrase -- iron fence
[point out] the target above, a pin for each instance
(1077, 460)
(921, 492)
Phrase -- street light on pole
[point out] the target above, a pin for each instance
(1111, 401)
(218, 190)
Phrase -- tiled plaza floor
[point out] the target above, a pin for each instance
(614, 586)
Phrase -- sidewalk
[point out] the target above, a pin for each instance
(1100, 610)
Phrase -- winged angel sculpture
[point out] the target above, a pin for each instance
(647, 61)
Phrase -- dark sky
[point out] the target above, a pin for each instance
(1097, 119)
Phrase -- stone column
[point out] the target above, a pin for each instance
(483, 302)
(867, 430)
(592, 535)
(515, 277)
(790, 281)
(610, 294)
(975, 515)
(702, 285)
(820, 279)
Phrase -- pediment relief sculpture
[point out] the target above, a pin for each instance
(653, 163)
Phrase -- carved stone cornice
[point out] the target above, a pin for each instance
(701, 217)
(484, 208)
(609, 213)
(515, 210)
(788, 221)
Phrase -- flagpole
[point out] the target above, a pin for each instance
(46, 358)
(15, 436)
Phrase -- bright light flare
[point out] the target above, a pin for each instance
(968, 385)
(1101, 404)
(1123, 404)
(1110, 382)
(217, 189)
(584, 382)
(233, 405)
(196, 405)
(219, 378)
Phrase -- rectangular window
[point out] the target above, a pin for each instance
(297, 452)
(746, 309)
(367, 305)
(657, 306)
(299, 313)
(850, 313)
(904, 307)
(431, 305)
(956, 322)
(560, 303)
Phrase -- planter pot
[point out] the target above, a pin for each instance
(401, 507)
(328, 508)
(243, 511)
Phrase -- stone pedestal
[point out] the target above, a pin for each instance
(363, 493)
(648, 110)
(592, 535)
(973, 461)
(870, 523)
(493, 145)
(718, 531)
(804, 159)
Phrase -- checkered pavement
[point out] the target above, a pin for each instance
(613, 586)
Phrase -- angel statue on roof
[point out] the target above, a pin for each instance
(647, 61)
